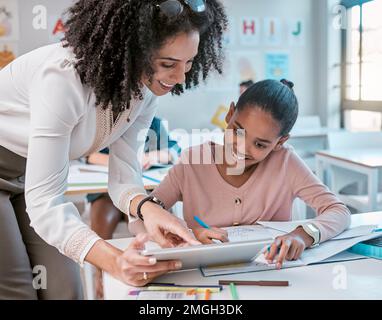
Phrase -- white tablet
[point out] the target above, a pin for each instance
(210, 254)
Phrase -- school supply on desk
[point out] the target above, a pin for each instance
(242, 233)
(182, 289)
(161, 295)
(155, 176)
(262, 283)
(210, 254)
(248, 233)
(90, 168)
(89, 179)
(233, 290)
(329, 251)
(201, 222)
(370, 248)
(289, 226)
(202, 286)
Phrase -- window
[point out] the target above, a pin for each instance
(362, 55)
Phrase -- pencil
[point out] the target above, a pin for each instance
(191, 292)
(152, 179)
(201, 222)
(207, 294)
(159, 284)
(185, 289)
(255, 283)
(233, 291)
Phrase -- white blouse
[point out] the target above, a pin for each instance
(48, 116)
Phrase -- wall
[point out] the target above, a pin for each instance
(29, 37)
(195, 109)
(309, 65)
(328, 58)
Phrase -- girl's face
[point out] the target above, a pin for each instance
(172, 62)
(251, 135)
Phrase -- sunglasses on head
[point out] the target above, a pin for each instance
(173, 8)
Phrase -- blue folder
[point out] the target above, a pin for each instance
(370, 248)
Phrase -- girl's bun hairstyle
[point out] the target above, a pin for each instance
(275, 97)
(288, 83)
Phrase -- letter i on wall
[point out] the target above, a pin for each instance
(249, 31)
(272, 32)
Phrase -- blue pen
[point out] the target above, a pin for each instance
(377, 230)
(201, 222)
(205, 225)
(152, 179)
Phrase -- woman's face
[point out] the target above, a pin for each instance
(171, 63)
(251, 135)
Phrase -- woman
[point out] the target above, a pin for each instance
(104, 216)
(68, 100)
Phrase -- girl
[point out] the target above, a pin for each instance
(64, 101)
(254, 176)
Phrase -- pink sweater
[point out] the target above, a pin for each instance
(267, 195)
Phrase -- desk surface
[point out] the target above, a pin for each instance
(90, 190)
(83, 185)
(368, 157)
(360, 279)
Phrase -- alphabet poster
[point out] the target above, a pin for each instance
(248, 66)
(56, 28)
(9, 20)
(249, 31)
(296, 32)
(229, 34)
(277, 66)
(8, 53)
(272, 32)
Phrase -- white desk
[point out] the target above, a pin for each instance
(363, 278)
(307, 141)
(363, 160)
(99, 185)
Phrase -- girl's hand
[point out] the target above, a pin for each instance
(206, 236)
(289, 247)
(166, 229)
(132, 266)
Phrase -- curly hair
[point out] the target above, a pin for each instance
(114, 42)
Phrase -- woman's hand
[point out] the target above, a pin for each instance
(206, 236)
(289, 246)
(166, 229)
(137, 270)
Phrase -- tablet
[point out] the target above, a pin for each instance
(210, 254)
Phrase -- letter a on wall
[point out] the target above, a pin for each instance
(56, 28)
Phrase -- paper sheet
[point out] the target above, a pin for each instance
(248, 233)
(86, 179)
(330, 248)
(92, 168)
(289, 226)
